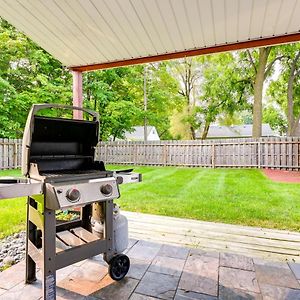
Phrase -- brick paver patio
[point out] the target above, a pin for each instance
(160, 271)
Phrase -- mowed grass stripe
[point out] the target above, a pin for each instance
(234, 196)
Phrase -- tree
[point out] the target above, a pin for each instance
(285, 91)
(114, 94)
(163, 97)
(275, 118)
(261, 62)
(211, 88)
(117, 95)
(28, 75)
(221, 91)
(188, 72)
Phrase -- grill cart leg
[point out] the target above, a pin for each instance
(108, 230)
(119, 264)
(31, 234)
(49, 251)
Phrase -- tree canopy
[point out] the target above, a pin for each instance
(226, 88)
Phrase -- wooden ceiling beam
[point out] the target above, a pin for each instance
(276, 40)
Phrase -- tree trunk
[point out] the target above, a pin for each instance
(205, 130)
(193, 133)
(293, 122)
(258, 90)
(295, 128)
(290, 106)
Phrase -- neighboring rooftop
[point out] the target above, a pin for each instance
(138, 134)
(235, 131)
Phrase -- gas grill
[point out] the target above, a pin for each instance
(58, 161)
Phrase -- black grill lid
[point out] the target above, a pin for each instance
(57, 144)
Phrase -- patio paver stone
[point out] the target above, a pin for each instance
(200, 274)
(276, 275)
(121, 290)
(167, 265)
(158, 285)
(173, 251)
(164, 272)
(296, 269)
(236, 261)
(137, 268)
(226, 293)
(136, 296)
(185, 295)
(271, 292)
(238, 279)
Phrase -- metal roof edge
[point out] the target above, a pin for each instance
(269, 41)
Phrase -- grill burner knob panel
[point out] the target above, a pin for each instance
(73, 195)
(106, 189)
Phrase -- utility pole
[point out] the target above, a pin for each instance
(145, 103)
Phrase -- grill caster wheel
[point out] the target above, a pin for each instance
(118, 267)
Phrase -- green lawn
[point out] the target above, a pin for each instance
(234, 196)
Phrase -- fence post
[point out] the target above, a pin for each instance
(165, 155)
(213, 162)
(15, 154)
(105, 152)
(259, 153)
(135, 154)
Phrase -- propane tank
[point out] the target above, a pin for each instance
(120, 227)
(97, 220)
(97, 228)
(120, 224)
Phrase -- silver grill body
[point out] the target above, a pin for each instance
(58, 162)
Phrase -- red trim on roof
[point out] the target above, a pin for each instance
(288, 38)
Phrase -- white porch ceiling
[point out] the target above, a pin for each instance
(87, 32)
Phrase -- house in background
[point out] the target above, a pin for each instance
(138, 134)
(235, 131)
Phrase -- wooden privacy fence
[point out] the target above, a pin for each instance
(281, 153)
(10, 153)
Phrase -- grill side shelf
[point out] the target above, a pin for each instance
(20, 188)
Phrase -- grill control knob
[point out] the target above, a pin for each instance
(106, 189)
(73, 195)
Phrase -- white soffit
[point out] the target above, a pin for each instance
(88, 32)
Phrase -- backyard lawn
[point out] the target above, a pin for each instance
(236, 196)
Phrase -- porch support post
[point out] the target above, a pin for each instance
(77, 94)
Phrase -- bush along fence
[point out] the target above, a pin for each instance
(279, 153)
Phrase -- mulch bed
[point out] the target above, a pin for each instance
(283, 175)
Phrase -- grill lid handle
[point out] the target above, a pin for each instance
(37, 107)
